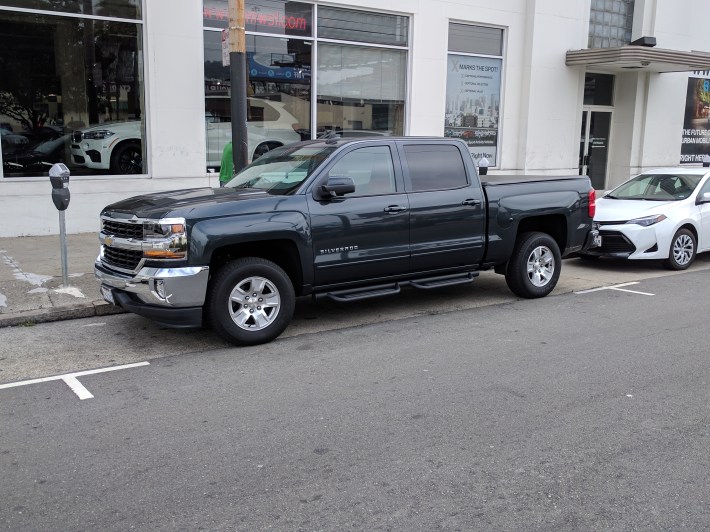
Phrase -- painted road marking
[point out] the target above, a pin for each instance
(71, 379)
(617, 287)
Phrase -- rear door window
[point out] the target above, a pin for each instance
(435, 167)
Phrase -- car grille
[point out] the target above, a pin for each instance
(126, 259)
(615, 242)
(123, 229)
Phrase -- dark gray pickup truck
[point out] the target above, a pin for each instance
(336, 218)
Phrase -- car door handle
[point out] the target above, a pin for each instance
(471, 201)
(394, 209)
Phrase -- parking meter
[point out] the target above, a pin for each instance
(59, 177)
(483, 166)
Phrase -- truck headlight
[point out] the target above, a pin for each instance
(648, 220)
(165, 239)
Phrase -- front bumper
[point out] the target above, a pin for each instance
(170, 296)
(631, 241)
(91, 154)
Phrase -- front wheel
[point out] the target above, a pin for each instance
(250, 301)
(682, 252)
(127, 159)
(534, 267)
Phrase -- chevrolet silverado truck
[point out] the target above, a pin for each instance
(345, 219)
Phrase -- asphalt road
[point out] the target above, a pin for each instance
(574, 412)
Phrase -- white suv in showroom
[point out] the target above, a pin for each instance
(117, 146)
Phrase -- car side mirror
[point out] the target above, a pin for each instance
(703, 198)
(336, 186)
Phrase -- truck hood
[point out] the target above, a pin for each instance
(182, 203)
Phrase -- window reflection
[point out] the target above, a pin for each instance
(71, 91)
(278, 105)
(104, 8)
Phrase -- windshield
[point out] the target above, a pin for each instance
(657, 187)
(281, 171)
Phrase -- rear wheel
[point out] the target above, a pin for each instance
(534, 267)
(682, 252)
(250, 301)
(127, 159)
(263, 148)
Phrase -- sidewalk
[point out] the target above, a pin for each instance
(31, 288)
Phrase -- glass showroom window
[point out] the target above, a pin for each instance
(278, 76)
(278, 92)
(473, 86)
(62, 81)
(361, 88)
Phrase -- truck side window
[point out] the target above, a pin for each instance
(435, 167)
(370, 168)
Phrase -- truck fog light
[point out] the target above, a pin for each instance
(160, 288)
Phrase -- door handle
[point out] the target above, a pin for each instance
(394, 209)
(471, 201)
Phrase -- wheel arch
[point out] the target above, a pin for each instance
(554, 225)
(283, 252)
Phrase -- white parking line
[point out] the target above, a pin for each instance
(618, 288)
(71, 379)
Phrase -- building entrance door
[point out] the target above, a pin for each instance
(594, 145)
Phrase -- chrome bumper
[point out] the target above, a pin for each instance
(166, 287)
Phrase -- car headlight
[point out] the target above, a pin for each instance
(99, 134)
(648, 220)
(165, 239)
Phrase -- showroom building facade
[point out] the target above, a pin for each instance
(133, 95)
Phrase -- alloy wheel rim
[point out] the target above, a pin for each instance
(683, 249)
(254, 303)
(541, 266)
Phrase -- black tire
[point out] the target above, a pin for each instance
(246, 313)
(261, 149)
(534, 267)
(682, 251)
(127, 159)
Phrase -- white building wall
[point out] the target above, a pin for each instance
(541, 100)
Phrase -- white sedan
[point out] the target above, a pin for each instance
(660, 214)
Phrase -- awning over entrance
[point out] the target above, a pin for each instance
(644, 58)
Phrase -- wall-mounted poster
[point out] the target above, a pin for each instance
(473, 104)
(696, 126)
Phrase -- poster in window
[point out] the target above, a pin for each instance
(473, 103)
(695, 142)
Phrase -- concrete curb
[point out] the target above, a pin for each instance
(69, 312)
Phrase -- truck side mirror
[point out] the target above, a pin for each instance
(59, 177)
(336, 186)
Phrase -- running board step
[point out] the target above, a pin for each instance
(367, 292)
(444, 280)
(428, 283)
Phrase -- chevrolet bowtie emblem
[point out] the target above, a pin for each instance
(108, 240)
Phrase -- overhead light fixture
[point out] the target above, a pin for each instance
(644, 41)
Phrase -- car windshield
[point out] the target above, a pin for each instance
(281, 171)
(657, 187)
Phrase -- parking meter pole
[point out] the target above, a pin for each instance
(238, 77)
(63, 241)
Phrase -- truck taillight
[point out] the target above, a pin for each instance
(592, 206)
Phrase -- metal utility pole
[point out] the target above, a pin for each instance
(238, 76)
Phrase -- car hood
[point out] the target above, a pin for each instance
(625, 210)
(186, 203)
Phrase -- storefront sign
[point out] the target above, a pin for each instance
(264, 16)
(695, 142)
(473, 103)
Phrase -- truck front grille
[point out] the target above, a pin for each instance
(615, 242)
(123, 229)
(125, 259)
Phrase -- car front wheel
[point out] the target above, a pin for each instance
(250, 301)
(683, 250)
(534, 267)
(127, 159)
